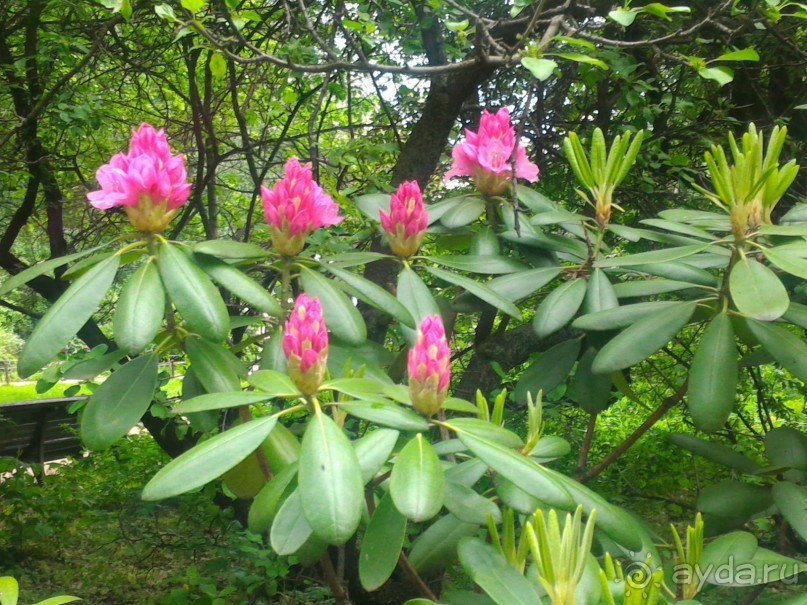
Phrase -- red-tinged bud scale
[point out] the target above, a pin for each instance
(406, 223)
(305, 344)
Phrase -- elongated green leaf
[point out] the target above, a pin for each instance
(757, 291)
(208, 460)
(371, 203)
(620, 317)
(716, 452)
(140, 309)
(465, 504)
(352, 259)
(415, 295)
(500, 580)
(463, 213)
(787, 262)
(488, 430)
(513, 287)
(61, 599)
(118, 404)
(680, 272)
(746, 54)
(341, 316)
(787, 348)
(9, 590)
(373, 450)
(786, 447)
(592, 392)
(600, 295)
(640, 288)
(727, 549)
(558, 308)
(193, 294)
(791, 499)
(386, 414)
(487, 264)
(734, 500)
(515, 497)
(231, 250)
(237, 282)
(66, 317)
(216, 367)
(550, 447)
(478, 290)
(330, 482)
(273, 383)
(417, 483)
(548, 371)
(520, 469)
(465, 473)
(375, 296)
(381, 545)
(267, 503)
(290, 529)
(656, 256)
(642, 339)
(436, 548)
(713, 376)
(542, 69)
(90, 368)
(23, 277)
(218, 401)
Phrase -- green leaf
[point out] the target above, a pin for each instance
(237, 282)
(478, 290)
(734, 500)
(513, 287)
(650, 287)
(542, 69)
(165, 11)
(330, 481)
(791, 499)
(558, 308)
(786, 447)
(713, 376)
(550, 447)
(61, 598)
(193, 6)
(746, 54)
(716, 452)
(273, 383)
(341, 316)
(66, 316)
(592, 392)
(787, 348)
(208, 460)
(488, 430)
(375, 296)
(436, 548)
(721, 75)
(520, 469)
(351, 259)
(290, 529)
(218, 66)
(515, 497)
(791, 263)
(600, 295)
(139, 310)
(620, 317)
(193, 294)
(119, 403)
(656, 256)
(223, 248)
(417, 483)
(625, 17)
(267, 503)
(90, 368)
(479, 263)
(415, 295)
(217, 368)
(23, 277)
(219, 401)
(371, 203)
(642, 339)
(381, 545)
(463, 213)
(372, 451)
(726, 549)
(548, 371)
(756, 291)
(490, 570)
(580, 58)
(386, 414)
(9, 590)
(465, 504)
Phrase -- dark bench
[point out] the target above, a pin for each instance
(39, 431)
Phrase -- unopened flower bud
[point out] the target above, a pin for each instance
(305, 344)
(429, 367)
(406, 223)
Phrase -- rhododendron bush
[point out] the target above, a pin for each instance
(344, 444)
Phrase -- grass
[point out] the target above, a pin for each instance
(10, 393)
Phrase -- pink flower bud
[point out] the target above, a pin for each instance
(295, 207)
(429, 367)
(486, 155)
(305, 344)
(148, 182)
(407, 220)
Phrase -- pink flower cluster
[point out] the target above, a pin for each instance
(295, 207)
(429, 366)
(486, 155)
(407, 220)
(305, 344)
(148, 182)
